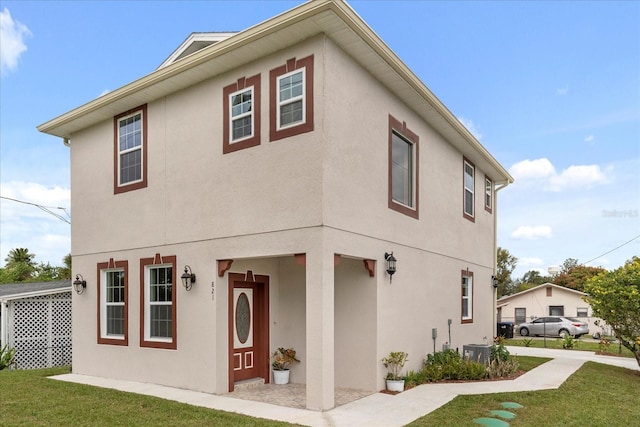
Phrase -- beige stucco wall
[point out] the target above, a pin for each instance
(320, 193)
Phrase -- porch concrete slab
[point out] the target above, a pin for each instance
(378, 409)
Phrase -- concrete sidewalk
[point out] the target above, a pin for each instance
(378, 409)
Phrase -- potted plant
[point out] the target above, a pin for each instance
(281, 359)
(394, 363)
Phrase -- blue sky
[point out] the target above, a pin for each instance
(551, 89)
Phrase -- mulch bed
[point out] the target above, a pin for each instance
(509, 377)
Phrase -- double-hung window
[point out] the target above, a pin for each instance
(403, 168)
(112, 302)
(469, 190)
(158, 302)
(291, 98)
(488, 195)
(130, 169)
(467, 297)
(241, 114)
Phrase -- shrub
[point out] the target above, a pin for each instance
(568, 342)
(7, 357)
(449, 365)
(502, 368)
(527, 342)
(604, 344)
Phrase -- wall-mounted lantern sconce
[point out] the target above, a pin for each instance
(494, 282)
(391, 265)
(79, 284)
(188, 278)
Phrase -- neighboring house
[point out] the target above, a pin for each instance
(35, 319)
(546, 300)
(279, 165)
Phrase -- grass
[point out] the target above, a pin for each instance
(28, 398)
(596, 395)
(578, 345)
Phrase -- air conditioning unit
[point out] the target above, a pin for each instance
(477, 352)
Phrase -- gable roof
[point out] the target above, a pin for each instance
(334, 18)
(506, 298)
(13, 291)
(194, 43)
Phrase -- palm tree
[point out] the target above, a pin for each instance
(21, 261)
(65, 272)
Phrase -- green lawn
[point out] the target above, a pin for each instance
(596, 395)
(28, 398)
(613, 349)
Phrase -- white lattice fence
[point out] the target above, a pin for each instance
(40, 330)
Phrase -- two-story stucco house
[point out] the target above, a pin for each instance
(280, 164)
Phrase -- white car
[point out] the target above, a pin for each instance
(554, 326)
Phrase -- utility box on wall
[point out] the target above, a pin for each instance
(477, 352)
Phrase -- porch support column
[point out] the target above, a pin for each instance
(320, 330)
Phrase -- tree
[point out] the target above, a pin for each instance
(19, 264)
(506, 263)
(65, 272)
(576, 277)
(568, 264)
(530, 279)
(614, 296)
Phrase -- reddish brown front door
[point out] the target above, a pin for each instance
(248, 327)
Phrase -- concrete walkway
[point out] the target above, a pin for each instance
(378, 409)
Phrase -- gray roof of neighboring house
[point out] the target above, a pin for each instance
(535, 288)
(19, 290)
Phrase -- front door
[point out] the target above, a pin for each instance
(248, 327)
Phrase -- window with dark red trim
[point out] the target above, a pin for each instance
(291, 98)
(241, 114)
(113, 290)
(130, 150)
(466, 297)
(158, 324)
(403, 169)
(488, 194)
(469, 183)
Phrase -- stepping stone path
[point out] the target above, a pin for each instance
(501, 413)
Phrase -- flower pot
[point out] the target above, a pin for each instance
(281, 377)
(395, 385)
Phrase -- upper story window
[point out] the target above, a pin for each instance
(469, 190)
(241, 114)
(112, 302)
(291, 98)
(403, 168)
(467, 296)
(130, 150)
(158, 302)
(488, 195)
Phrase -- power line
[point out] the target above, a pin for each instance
(46, 209)
(614, 249)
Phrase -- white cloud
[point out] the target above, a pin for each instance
(104, 92)
(471, 127)
(532, 169)
(527, 232)
(530, 262)
(27, 226)
(563, 90)
(578, 176)
(543, 173)
(590, 138)
(12, 35)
